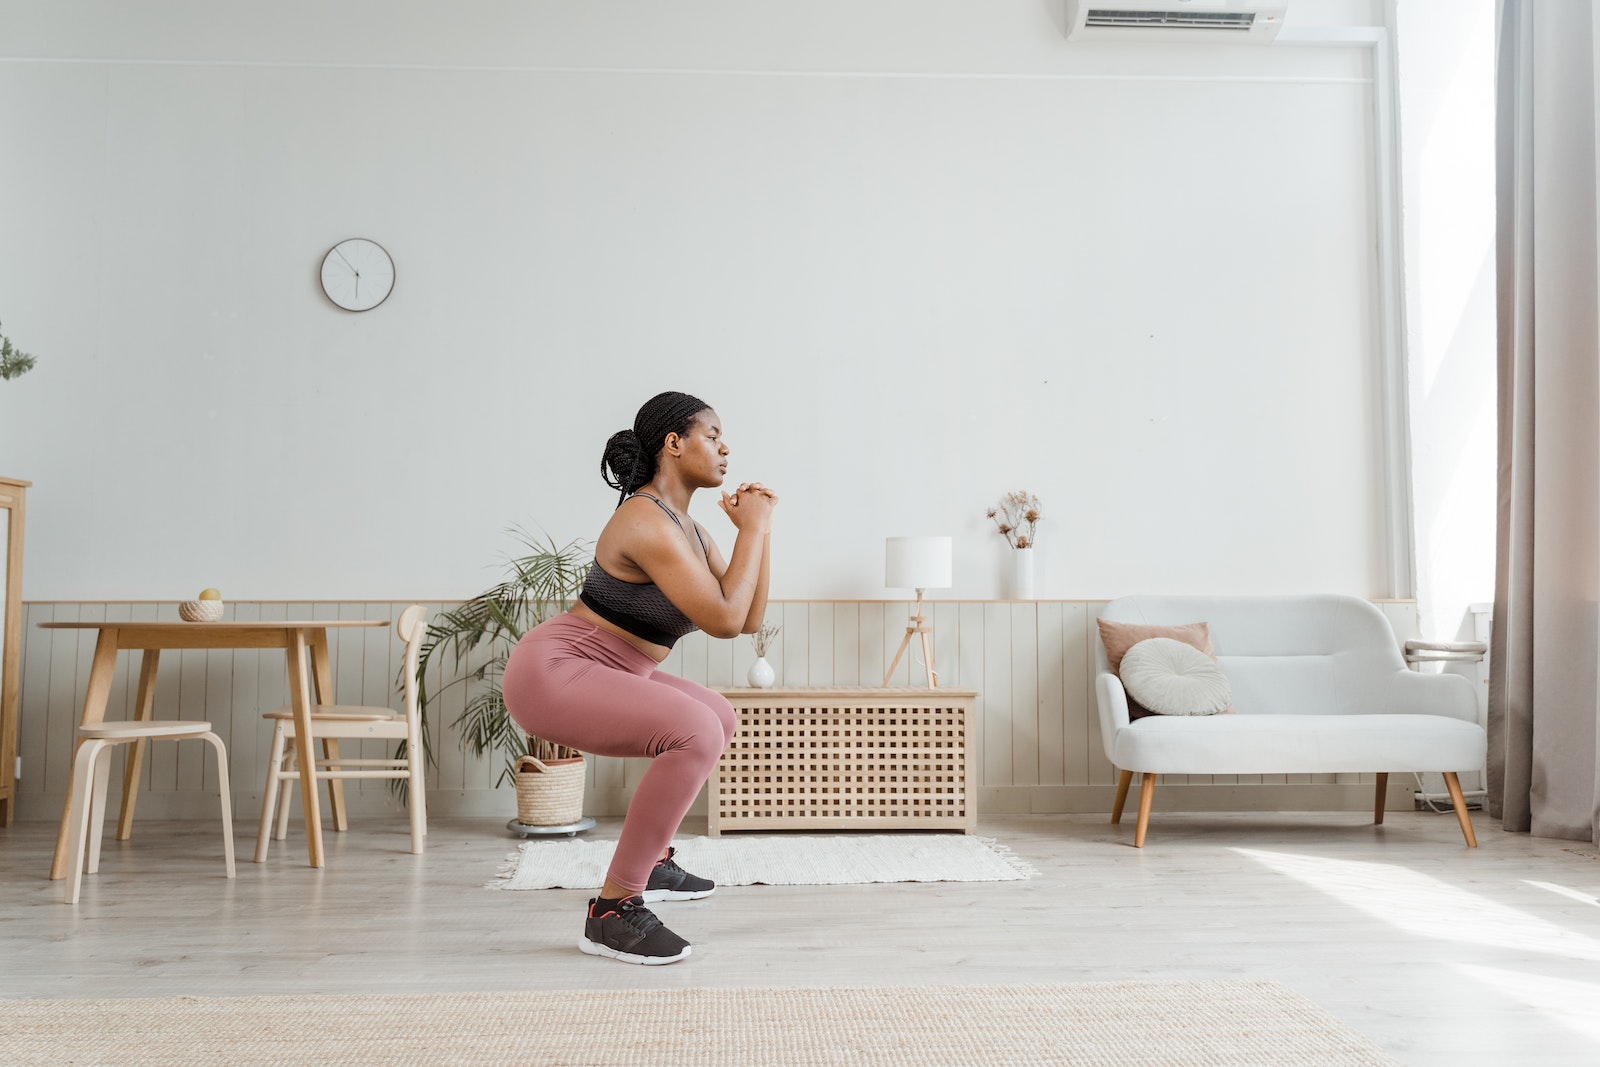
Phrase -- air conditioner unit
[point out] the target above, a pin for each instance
(1217, 21)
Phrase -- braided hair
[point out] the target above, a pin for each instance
(629, 462)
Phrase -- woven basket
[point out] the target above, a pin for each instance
(550, 794)
(200, 611)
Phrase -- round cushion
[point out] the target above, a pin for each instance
(1172, 678)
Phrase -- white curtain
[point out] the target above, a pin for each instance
(1544, 689)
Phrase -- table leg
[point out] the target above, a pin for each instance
(102, 668)
(304, 750)
(322, 678)
(135, 761)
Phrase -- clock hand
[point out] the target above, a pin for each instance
(345, 261)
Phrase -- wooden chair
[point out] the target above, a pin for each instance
(331, 723)
(91, 771)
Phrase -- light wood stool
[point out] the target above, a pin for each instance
(91, 771)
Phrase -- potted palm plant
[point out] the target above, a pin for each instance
(14, 362)
(472, 643)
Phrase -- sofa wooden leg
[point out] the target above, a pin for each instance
(1452, 783)
(1147, 793)
(1379, 797)
(1122, 797)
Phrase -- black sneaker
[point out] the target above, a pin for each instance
(626, 930)
(668, 881)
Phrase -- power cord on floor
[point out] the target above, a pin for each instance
(1430, 801)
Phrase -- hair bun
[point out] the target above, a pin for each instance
(623, 457)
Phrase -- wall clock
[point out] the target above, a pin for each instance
(357, 274)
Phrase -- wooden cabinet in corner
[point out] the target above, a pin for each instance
(13, 498)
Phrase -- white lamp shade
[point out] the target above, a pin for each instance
(917, 562)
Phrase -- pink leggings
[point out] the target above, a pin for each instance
(575, 684)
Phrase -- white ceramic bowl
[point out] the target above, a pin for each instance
(200, 611)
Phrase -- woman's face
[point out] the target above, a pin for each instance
(702, 455)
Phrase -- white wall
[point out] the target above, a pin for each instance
(917, 254)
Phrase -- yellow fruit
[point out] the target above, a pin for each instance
(209, 594)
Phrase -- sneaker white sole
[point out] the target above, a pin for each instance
(594, 949)
(653, 896)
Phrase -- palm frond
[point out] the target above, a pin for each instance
(468, 644)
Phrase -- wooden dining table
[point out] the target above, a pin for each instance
(301, 640)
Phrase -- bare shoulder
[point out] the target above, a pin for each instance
(637, 533)
(635, 511)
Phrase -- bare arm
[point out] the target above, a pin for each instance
(758, 606)
(719, 599)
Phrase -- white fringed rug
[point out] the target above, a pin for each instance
(843, 860)
(1111, 1024)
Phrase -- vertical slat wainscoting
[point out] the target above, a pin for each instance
(48, 709)
(994, 711)
(461, 782)
(1049, 748)
(1037, 741)
(1027, 711)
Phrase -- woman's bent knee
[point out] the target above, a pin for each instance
(698, 737)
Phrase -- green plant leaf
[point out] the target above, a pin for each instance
(13, 361)
(541, 580)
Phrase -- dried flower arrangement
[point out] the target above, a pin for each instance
(762, 636)
(1016, 515)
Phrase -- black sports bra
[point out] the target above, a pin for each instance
(640, 608)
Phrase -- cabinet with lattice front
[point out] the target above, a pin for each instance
(848, 758)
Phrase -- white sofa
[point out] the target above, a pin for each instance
(1319, 686)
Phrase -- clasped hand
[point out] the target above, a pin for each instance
(749, 505)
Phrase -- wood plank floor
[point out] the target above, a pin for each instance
(1440, 954)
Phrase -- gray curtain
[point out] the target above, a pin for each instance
(1544, 693)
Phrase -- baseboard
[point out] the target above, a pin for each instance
(992, 800)
(1276, 796)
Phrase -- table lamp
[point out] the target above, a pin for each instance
(917, 563)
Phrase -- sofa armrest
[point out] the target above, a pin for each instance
(1414, 693)
(1113, 701)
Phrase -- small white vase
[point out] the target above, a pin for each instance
(1022, 574)
(761, 674)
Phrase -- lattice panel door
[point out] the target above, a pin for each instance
(843, 759)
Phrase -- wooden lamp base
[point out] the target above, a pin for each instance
(917, 626)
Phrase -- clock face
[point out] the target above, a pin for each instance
(357, 274)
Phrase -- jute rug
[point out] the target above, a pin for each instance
(843, 860)
(1192, 1024)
